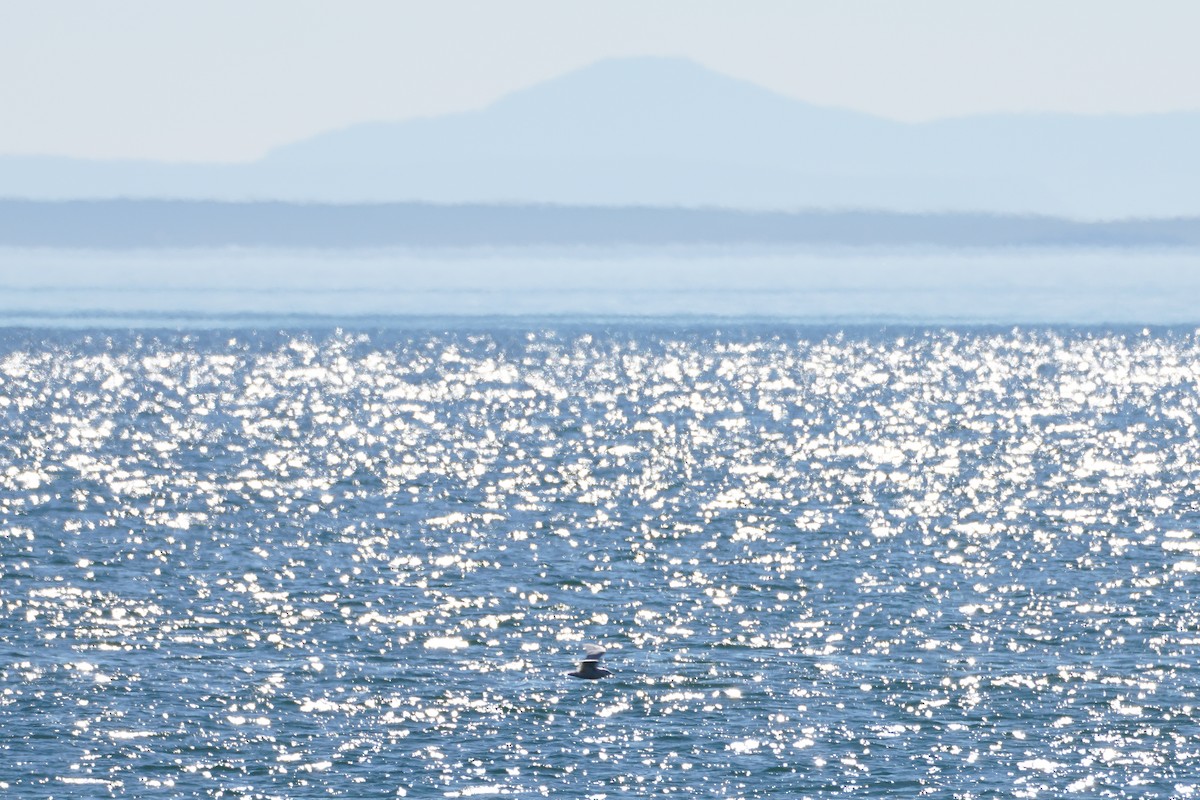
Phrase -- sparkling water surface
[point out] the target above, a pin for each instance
(943, 562)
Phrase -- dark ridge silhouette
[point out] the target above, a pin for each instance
(197, 223)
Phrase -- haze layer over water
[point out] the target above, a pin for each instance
(263, 287)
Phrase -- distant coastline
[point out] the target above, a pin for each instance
(135, 223)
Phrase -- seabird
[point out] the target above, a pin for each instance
(590, 667)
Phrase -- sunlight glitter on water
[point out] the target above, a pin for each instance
(294, 565)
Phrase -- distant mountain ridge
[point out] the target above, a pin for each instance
(667, 132)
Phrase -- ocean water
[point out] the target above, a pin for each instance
(207, 288)
(949, 562)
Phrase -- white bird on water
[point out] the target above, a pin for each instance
(590, 668)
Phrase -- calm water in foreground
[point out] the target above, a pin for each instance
(945, 562)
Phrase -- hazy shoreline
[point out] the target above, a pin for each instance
(186, 224)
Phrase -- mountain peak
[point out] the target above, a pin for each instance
(669, 131)
(642, 108)
(652, 86)
(655, 73)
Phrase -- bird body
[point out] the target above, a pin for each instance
(589, 668)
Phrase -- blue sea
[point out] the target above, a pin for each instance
(246, 554)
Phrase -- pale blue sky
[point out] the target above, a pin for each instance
(226, 80)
